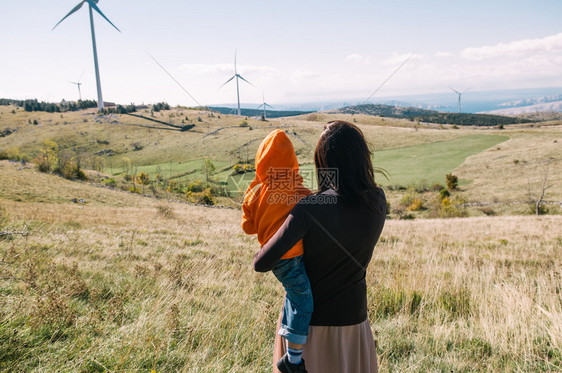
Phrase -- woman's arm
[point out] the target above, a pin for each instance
(292, 230)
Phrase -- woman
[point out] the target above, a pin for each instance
(340, 226)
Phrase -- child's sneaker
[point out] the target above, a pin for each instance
(285, 367)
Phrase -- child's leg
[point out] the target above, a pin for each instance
(298, 305)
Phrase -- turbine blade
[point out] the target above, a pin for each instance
(75, 9)
(234, 76)
(260, 106)
(457, 92)
(95, 7)
(174, 79)
(389, 77)
(269, 105)
(240, 76)
(466, 90)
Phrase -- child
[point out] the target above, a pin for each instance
(270, 197)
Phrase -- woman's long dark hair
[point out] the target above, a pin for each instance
(343, 163)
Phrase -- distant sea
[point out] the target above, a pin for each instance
(473, 101)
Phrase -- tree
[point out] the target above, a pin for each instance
(452, 181)
(144, 179)
(208, 170)
(537, 199)
(48, 158)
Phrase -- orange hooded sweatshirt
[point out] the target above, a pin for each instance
(275, 190)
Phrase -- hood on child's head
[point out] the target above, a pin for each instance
(275, 152)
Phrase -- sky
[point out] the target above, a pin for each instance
(291, 51)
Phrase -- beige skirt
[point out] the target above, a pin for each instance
(335, 349)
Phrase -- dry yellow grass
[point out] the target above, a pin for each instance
(148, 284)
(507, 172)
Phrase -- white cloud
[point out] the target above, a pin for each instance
(358, 59)
(521, 47)
(301, 75)
(444, 55)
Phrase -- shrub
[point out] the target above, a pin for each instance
(452, 181)
(411, 200)
(415, 205)
(206, 197)
(238, 169)
(437, 187)
(165, 211)
(444, 193)
(244, 124)
(11, 154)
(143, 178)
(110, 182)
(451, 208)
(48, 158)
(196, 186)
(242, 168)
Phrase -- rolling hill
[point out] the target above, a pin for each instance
(430, 116)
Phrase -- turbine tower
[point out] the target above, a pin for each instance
(92, 5)
(265, 105)
(79, 84)
(236, 75)
(460, 94)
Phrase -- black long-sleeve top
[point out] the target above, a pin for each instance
(338, 242)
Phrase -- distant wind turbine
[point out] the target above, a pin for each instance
(92, 5)
(79, 84)
(460, 94)
(236, 75)
(265, 105)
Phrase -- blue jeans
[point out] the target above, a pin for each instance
(298, 306)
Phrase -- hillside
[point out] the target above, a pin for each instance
(416, 156)
(430, 116)
(258, 112)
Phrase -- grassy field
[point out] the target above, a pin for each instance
(499, 169)
(124, 283)
(429, 162)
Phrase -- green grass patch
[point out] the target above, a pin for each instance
(430, 162)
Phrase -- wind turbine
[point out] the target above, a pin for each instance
(79, 84)
(460, 94)
(92, 5)
(236, 75)
(265, 105)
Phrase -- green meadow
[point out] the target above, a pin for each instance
(430, 163)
